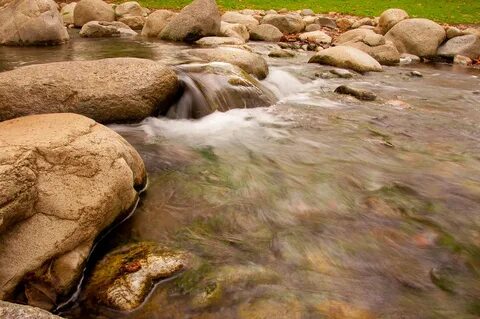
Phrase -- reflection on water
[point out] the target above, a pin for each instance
(320, 206)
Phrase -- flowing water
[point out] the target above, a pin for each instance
(319, 206)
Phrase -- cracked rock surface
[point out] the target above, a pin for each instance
(108, 90)
(63, 179)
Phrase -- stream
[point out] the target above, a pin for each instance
(318, 204)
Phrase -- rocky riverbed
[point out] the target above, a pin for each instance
(299, 165)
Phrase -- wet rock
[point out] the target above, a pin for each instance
(266, 32)
(103, 29)
(76, 178)
(281, 53)
(326, 22)
(453, 32)
(313, 27)
(31, 22)
(92, 10)
(218, 41)
(389, 18)
(420, 37)
(357, 93)
(235, 30)
(235, 17)
(406, 58)
(344, 23)
(288, 23)
(134, 22)
(363, 22)
(465, 45)
(415, 74)
(137, 88)
(67, 13)
(316, 37)
(130, 8)
(15, 311)
(251, 63)
(199, 19)
(125, 276)
(462, 60)
(156, 22)
(347, 57)
(342, 73)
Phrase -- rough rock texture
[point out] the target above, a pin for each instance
(31, 22)
(266, 32)
(389, 18)
(465, 45)
(235, 30)
(156, 22)
(102, 29)
(218, 41)
(109, 90)
(316, 36)
(199, 19)
(420, 37)
(371, 43)
(134, 22)
(251, 63)
(65, 179)
(15, 311)
(287, 23)
(123, 278)
(67, 12)
(347, 57)
(344, 23)
(131, 8)
(236, 17)
(92, 10)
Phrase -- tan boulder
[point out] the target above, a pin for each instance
(92, 10)
(389, 18)
(15, 311)
(286, 23)
(218, 41)
(67, 12)
(81, 177)
(266, 32)
(348, 58)
(235, 30)
(103, 29)
(132, 8)
(235, 17)
(134, 22)
(156, 22)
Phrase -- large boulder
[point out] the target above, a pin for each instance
(466, 45)
(103, 29)
(389, 18)
(65, 179)
(15, 311)
(109, 90)
(286, 23)
(236, 17)
(92, 10)
(266, 32)
(67, 12)
(156, 22)
(235, 30)
(348, 58)
(420, 37)
(199, 19)
(251, 63)
(31, 22)
(371, 43)
(131, 8)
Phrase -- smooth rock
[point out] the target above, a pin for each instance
(280, 53)
(92, 10)
(326, 22)
(77, 176)
(251, 63)
(218, 41)
(453, 32)
(342, 73)
(316, 37)
(307, 12)
(199, 19)
(132, 8)
(67, 13)
(313, 27)
(156, 22)
(288, 23)
(235, 30)
(309, 20)
(109, 90)
(236, 17)
(103, 29)
(266, 32)
(420, 37)
(346, 57)
(134, 22)
(389, 18)
(31, 22)
(15, 311)
(363, 22)
(465, 45)
(357, 93)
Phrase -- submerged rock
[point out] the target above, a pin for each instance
(92, 10)
(358, 93)
(251, 63)
(31, 22)
(347, 57)
(199, 19)
(123, 278)
(109, 90)
(281, 53)
(64, 179)
(103, 29)
(15, 311)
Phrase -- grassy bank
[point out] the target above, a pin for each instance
(450, 11)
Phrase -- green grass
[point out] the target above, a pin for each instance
(449, 11)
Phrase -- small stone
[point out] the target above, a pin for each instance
(415, 74)
(326, 22)
(280, 53)
(313, 27)
(342, 73)
(357, 93)
(453, 32)
(406, 58)
(344, 23)
(283, 11)
(307, 12)
(462, 60)
(362, 22)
